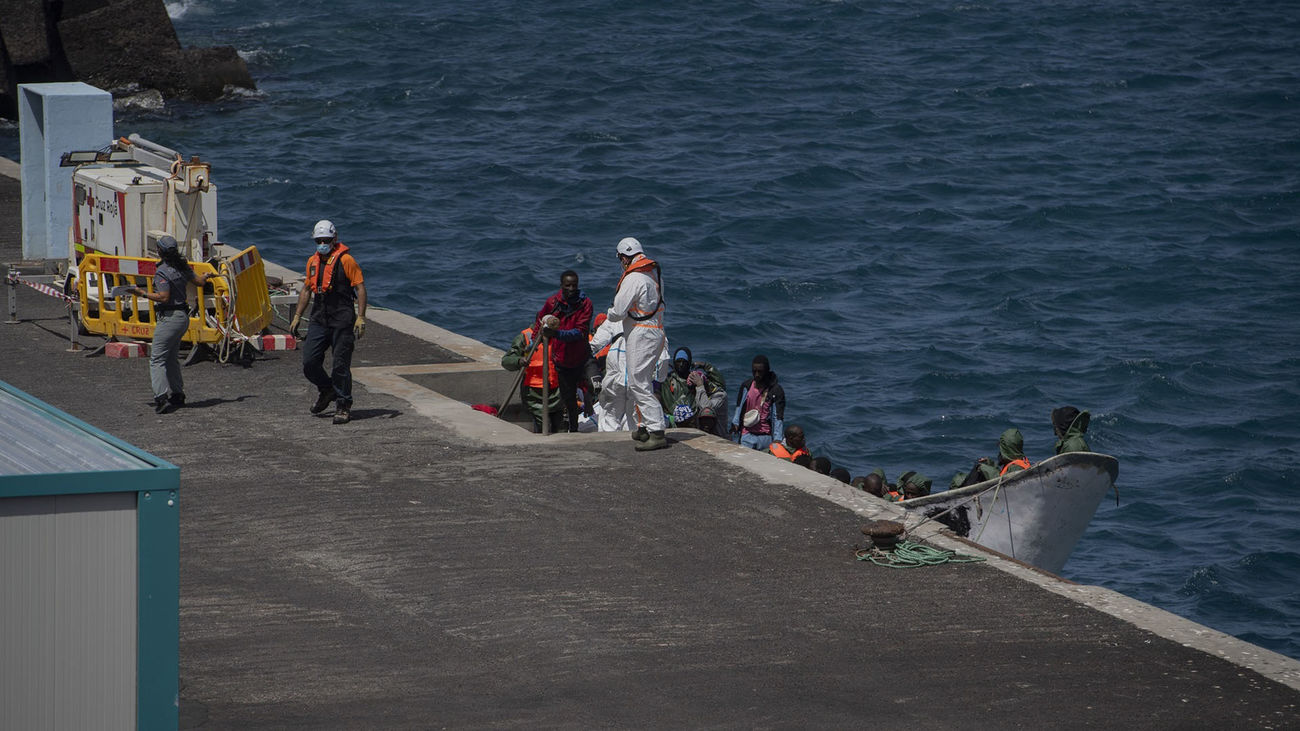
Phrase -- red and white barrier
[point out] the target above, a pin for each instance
(136, 267)
(279, 342)
(131, 349)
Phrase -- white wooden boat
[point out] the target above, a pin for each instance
(1036, 515)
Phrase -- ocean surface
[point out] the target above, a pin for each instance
(936, 220)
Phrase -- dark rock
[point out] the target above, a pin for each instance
(22, 28)
(127, 43)
(201, 74)
(208, 71)
(74, 8)
(127, 47)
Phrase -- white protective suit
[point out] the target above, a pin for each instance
(638, 294)
(617, 410)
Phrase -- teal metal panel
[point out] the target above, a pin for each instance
(70, 483)
(90, 529)
(158, 602)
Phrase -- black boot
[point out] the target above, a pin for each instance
(323, 400)
(161, 405)
(654, 440)
(343, 414)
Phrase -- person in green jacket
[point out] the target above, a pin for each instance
(1011, 458)
(694, 394)
(914, 484)
(530, 386)
(1070, 425)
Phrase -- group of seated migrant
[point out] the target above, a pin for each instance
(589, 385)
(1068, 423)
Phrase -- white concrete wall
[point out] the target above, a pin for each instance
(54, 119)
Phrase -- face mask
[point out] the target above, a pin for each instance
(323, 248)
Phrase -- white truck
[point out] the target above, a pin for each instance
(125, 198)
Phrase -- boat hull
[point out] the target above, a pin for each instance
(1036, 516)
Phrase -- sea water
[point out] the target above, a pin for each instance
(937, 221)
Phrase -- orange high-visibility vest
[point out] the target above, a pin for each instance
(1022, 463)
(600, 320)
(533, 371)
(645, 265)
(779, 450)
(320, 279)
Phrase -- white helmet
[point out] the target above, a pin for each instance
(629, 247)
(323, 230)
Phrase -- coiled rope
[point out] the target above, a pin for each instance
(909, 555)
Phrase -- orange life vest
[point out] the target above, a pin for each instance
(781, 452)
(600, 320)
(645, 265)
(320, 279)
(1022, 463)
(533, 371)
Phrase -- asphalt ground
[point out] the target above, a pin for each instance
(426, 566)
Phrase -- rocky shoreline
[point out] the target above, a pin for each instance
(127, 47)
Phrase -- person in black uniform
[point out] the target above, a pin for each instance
(171, 319)
(338, 320)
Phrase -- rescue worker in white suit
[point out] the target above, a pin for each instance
(616, 410)
(639, 308)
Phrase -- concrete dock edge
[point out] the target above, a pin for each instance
(493, 432)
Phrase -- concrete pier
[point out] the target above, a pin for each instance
(430, 566)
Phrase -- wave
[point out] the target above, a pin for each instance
(178, 9)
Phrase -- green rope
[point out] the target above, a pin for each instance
(907, 555)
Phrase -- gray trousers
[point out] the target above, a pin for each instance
(164, 354)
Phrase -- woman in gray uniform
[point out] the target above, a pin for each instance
(171, 308)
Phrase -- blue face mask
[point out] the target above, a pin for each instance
(323, 248)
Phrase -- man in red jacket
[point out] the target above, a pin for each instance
(569, 349)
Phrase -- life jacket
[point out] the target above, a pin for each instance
(533, 371)
(321, 279)
(894, 496)
(1022, 463)
(595, 325)
(781, 452)
(645, 265)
